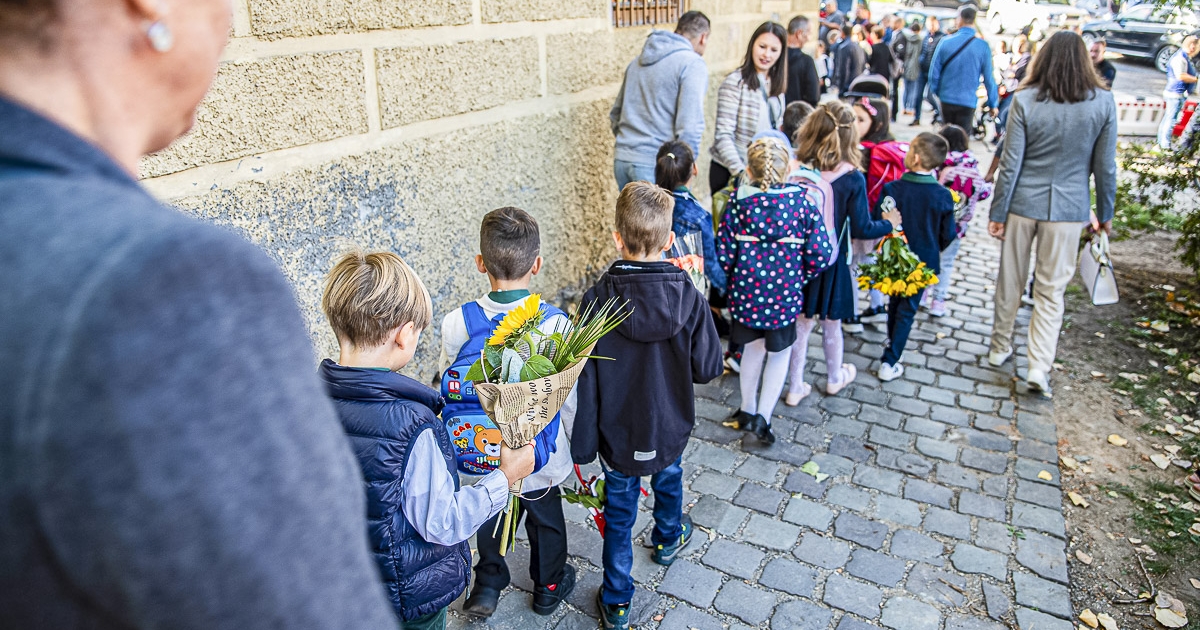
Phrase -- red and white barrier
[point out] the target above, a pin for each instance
(1139, 116)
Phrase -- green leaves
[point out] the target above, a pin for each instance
(537, 366)
(814, 469)
(476, 372)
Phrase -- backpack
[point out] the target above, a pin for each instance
(475, 438)
(886, 164)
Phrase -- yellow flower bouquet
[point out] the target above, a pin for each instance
(523, 375)
(896, 270)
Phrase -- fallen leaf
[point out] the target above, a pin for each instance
(1168, 287)
(1170, 429)
(1077, 499)
(1117, 440)
(1096, 374)
(1160, 460)
(1068, 462)
(1195, 583)
(1107, 621)
(1100, 335)
(1170, 618)
(1161, 327)
(814, 469)
(1045, 475)
(1089, 617)
(1086, 559)
(1194, 529)
(1135, 541)
(1194, 377)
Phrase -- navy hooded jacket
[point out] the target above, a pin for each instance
(383, 413)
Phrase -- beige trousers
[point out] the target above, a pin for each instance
(1057, 250)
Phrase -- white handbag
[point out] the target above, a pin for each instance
(1096, 271)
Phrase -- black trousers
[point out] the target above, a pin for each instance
(895, 98)
(958, 115)
(547, 543)
(718, 177)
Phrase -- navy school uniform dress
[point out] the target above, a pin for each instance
(927, 214)
(831, 295)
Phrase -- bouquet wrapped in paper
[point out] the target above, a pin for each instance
(523, 376)
(896, 270)
(687, 253)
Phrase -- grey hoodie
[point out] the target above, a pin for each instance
(661, 99)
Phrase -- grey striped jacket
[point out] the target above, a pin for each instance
(737, 120)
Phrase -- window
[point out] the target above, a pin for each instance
(648, 12)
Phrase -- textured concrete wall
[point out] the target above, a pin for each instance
(396, 125)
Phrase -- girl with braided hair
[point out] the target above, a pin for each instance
(829, 142)
(772, 240)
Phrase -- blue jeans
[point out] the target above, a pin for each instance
(901, 312)
(620, 511)
(1002, 117)
(911, 90)
(922, 97)
(626, 172)
(948, 255)
(1170, 118)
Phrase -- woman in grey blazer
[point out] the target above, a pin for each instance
(1062, 132)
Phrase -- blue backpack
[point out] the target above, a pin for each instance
(475, 437)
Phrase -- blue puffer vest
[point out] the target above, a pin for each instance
(382, 413)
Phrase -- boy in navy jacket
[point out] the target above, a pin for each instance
(418, 518)
(927, 211)
(638, 410)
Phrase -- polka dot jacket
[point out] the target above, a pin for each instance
(770, 244)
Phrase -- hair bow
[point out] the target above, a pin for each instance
(865, 103)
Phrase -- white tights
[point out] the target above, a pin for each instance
(832, 342)
(754, 355)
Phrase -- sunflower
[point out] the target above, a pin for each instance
(518, 321)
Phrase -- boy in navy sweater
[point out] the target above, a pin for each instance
(668, 343)
(927, 211)
(418, 518)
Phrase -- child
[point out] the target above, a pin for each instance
(882, 161)
(417, 517)
(674, 170)
(793, 117)
(772, 240)
(829, 142)
(509, 244)
(928, 217)
(961, 174)
(667, 344)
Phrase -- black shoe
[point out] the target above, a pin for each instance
(914, 123)
(482, 602)
(876, 315)
(547, 598)
(762, 430)
(852, 325)
(741, 421)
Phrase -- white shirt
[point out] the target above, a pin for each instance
(439, 514)
(454, 335)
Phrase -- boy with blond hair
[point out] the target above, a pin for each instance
(509, 253)
(667, 344)
(419, 520)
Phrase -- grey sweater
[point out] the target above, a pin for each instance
(167, 456)
(1052, 151)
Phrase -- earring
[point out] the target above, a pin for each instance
(160, 36)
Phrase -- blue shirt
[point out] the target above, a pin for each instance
(958, 81)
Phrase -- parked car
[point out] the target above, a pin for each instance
(980, 5)
(1039, 16)
(1145, 31)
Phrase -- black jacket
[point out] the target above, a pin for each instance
(802, 81)
(849, 60)
(638, 410)
(881, 60)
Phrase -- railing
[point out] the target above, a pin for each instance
(648, 12)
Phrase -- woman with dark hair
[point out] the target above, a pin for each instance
(1062, 132)
(749, 101)
(170, 458)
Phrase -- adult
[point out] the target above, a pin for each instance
(911, 37)
(168, 457)
(1012, 79)
(749, 101)
(881, 58)
(1062, 132)
(802, 81)
(1104, 67)
(661, 98)
(932, 37)
(959, 63)
(1181, 81)
(862, 17)
(849, 59)
(831, 19)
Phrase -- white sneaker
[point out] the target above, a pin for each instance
(1037, 381)
(996, 359)
(890, 372)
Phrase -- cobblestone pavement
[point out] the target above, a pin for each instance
(937, 514)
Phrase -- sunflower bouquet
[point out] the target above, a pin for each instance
(896, 270)
(523, 375)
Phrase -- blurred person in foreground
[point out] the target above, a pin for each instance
(168, 457)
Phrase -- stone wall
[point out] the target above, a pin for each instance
(396, 124)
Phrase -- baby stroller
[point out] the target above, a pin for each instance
(870, 86)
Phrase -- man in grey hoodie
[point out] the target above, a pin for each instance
(661, 98)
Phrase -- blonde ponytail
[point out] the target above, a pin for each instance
(767, 162)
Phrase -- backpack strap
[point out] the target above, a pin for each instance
(479, 328)
(946, 61)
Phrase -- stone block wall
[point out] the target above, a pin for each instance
(397, 124)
